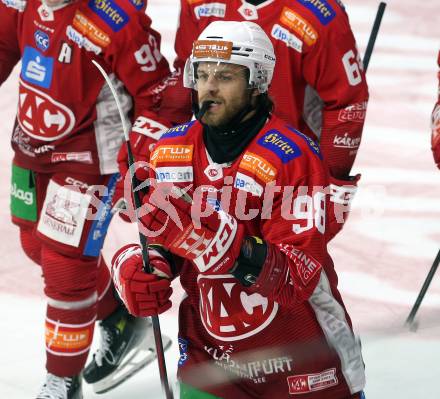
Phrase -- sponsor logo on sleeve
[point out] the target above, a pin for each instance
(228, 312)
(300, 25)
(311, 143)
(36, 68)
(282, 34)
(175, 174)
(40, 116)
(307, 267)
(346, 141)
(246, 183)
(258, 166)
(41, 40)
(210, 10)
(305, 383)
(280, 145)
(172, 153)
(177, 131)
(88, 29)
(353, 113)
(321, 9)
(110, 12)
(148, 127)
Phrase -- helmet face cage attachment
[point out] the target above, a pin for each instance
(241, 43)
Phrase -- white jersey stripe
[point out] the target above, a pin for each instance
(331, 317)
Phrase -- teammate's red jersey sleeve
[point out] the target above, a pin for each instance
(332, 66)
(9, 49)
(136, 59)
(175, 98)
(296, 231)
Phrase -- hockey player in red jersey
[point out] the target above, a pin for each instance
(237, 208)
(435, 124)
(66, 138)
(319, 86)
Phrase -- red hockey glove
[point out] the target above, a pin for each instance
(435, 137)
(143, 294)
(342, 193)
(194, 231)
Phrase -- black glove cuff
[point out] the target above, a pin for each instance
(167, 255)
(250, 261)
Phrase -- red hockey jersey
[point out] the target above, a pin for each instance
(435, 136)
(67, 118)
(272, 339)
(318, 85)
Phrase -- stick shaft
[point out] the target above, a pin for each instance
(373, 34)
(142, 238)
(423, 290)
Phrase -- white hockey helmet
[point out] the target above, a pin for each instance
(243, 43)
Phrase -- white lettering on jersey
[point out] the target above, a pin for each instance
(149, 127)
(65, 55)
(246, 183)
(175, 174)
(210, 10)
(282, 34)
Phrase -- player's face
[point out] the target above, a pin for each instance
(227, 86)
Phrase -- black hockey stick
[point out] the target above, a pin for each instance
(425, 286)
(142, 238)
(373, 35)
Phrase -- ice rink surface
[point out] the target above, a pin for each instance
(382, 257)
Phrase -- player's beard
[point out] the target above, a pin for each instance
(222, 112)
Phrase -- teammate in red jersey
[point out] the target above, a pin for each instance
(237, 207)
(435, 124)
(319, 86)
(66, 138)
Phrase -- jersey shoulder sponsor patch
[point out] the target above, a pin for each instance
(110, 12)
(298, 24)
(321, 8)
(207, 10)
(282, 146)
(138, 4)
(177, 131)
(311, 143)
